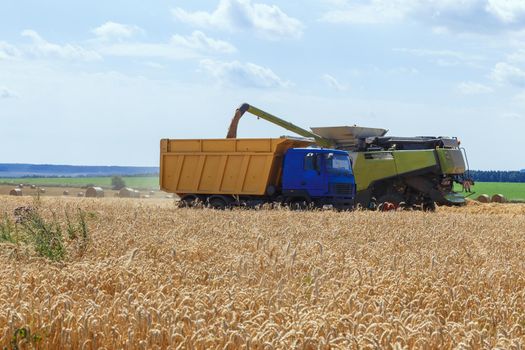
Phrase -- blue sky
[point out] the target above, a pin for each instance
(100, 82)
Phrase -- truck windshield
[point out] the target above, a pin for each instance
(339, 163)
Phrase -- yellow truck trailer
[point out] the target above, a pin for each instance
(224, 172)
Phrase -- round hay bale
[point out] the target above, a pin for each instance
(146, 196)
(94, 192)
(484, 198)
(33, 187)
(65, 193)
(15, 192)
(499, 198)
(128, 192)
(151, 193)
(80, 194)
(21, 186)
(41, 190)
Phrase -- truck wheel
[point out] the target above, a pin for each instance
(298, 204)
(217, 203)
(187, 201)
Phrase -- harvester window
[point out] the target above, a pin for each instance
(379, 155)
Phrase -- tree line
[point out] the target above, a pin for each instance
(497, 176)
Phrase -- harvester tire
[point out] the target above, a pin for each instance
(429, 205)
(394, 198)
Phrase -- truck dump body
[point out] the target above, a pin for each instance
(223, 166)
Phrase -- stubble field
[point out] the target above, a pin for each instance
(149, 275)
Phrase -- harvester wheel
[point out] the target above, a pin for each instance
(217, 203)
(393, 198)
(429, 205)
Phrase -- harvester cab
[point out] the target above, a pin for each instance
(410, 171)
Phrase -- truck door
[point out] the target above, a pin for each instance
(313, 176)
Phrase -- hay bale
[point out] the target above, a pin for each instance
(15, 192)
(484, 198)
(151, 193)
(33, 187)
(94, 192)
(41, 190)
(65, 193)
(80, 194)
(128, 192)
(21, 186)
(499, 198)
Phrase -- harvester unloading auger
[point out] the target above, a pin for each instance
(417, 171)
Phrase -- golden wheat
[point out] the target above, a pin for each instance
(155, 276)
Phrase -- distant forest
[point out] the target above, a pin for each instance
(497, 176)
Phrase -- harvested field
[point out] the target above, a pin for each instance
(155, 276)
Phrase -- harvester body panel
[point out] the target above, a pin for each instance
(451, 161)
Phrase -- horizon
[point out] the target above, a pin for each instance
(157, 166)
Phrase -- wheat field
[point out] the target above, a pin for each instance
(153, 276)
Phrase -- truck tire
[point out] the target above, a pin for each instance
(217, 203)
(298, 204)
(188, 201)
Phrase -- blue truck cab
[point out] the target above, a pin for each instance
(318, 177)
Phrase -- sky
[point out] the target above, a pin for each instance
(101, 82)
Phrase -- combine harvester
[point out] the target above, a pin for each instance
(414, 171)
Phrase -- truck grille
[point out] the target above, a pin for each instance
(344, 189)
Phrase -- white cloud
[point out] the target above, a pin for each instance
(444, 57)
(6, 93)
(387, 11)
(441, 14)
(333, 82)
(42, 48)
(178, 48)
(518, 56)
(112, 30)
(8, 51)
(511, 116)
(507, 11)
(151, 50)
(268, 21)
(154, 65)
(520, 98)
(236, 73)
(472, 88)
(507, 74)
(199, 41)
